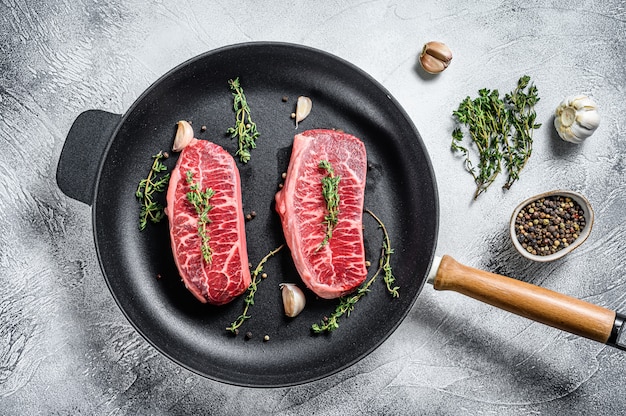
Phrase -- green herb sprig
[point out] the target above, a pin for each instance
(330, 192)
(200, 200)
(500, 129)
(245, 129)
(249, 299)
(522, 117)
(384, 263)
(347, 303)
(152, 210)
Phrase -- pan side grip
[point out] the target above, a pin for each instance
(83, 150)
(533, 302)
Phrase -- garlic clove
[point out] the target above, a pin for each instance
(435, 57)
(184, 134)
(303, 108)
(578, 132)
(569, 136)
(589, 119)
(293, 299)
(432, 65)
(581, 102)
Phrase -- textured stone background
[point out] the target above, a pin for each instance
(65, 348)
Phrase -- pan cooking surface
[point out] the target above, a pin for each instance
(139, 267)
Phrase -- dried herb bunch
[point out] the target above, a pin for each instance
(501, 131)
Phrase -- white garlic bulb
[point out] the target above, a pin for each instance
(576, 118)
(293, 299)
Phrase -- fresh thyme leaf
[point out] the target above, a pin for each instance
(249, 299)
(202, 204)
(330, 192)
(152, 210)
(245, 129)
(500, 129)
(347, 303)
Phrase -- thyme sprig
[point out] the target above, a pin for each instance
(249, 299)
(500, 129)
(384, 263)
(522, 116)
(347, 303)
(200, 200)
(330, 192)
(245, 129)
(152, 210)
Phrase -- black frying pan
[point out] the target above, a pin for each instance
(106, 155)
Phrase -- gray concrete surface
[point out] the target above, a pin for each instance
(65, 347)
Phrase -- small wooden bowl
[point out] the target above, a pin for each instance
(582, 234)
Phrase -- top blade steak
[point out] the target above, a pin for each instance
(227, 275)
(338, 267)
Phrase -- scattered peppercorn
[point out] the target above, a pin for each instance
(248, 335)
(549, 224)
(203, 128)
(285, 98)
(266, 338)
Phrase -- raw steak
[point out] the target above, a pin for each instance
(338, 267)
(227, 275)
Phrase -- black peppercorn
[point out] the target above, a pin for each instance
(549, 224)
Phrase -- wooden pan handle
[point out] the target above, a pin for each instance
(533, 302)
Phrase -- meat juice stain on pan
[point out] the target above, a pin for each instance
(193, 334)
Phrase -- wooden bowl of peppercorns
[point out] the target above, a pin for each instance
(548, 226)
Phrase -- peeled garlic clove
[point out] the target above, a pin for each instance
(184, 134)
(293, 299)
(303, 108)
(576, 118)
(435, 57)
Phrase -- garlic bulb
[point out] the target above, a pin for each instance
(184, 134)
(576, 118)
(293, 299)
